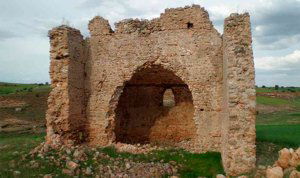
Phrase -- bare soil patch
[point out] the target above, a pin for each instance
(23, 112)
(265, 109)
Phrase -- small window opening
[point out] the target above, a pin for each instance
(201, 109)
(190, 25)
(169, 99)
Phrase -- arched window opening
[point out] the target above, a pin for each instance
(169, 99)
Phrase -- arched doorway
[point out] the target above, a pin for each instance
(144, 114)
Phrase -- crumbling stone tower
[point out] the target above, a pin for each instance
(110, 87)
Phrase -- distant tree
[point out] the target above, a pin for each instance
(47, 83)
(291, 90)
(263, 86)
(276, 87)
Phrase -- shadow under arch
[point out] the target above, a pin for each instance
(139, 115)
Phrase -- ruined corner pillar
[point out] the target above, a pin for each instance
(238, 123)
(66, 103)
(100, 126)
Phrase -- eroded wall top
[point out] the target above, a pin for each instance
(194, 17)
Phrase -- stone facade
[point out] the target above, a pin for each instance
(110, 87)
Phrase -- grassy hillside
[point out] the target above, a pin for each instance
(10, 88)
(23, 102)
(277, 122)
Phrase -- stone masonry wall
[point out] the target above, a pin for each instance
(66, 103)
(109, 88)
(191, 53)
(238, 137)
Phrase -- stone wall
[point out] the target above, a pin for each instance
(238, 137)
(193, 55)
(109, 88)
(66, 103)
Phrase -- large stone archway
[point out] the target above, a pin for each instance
(141, 116)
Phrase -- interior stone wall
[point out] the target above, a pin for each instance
(141, 116)
(103, 84)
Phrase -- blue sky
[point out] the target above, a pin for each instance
(24, 24)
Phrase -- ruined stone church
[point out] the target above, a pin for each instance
(111, 86)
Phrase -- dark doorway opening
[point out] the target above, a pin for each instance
(142, 116)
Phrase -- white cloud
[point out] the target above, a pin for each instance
(278, 70)
(285, 63)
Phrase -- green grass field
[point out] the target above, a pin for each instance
(279, 118)
(272, 101)
(208, 164)
(14, 146)
(279, 129)
(9, 88)
(272, 89)
(288, 135)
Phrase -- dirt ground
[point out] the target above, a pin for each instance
(265, 109)
(22, 112)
